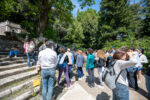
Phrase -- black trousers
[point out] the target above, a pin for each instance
(132, 77)
(91, 75)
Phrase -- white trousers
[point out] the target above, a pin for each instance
(100, 70)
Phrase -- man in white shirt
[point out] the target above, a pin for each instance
(132, 71)
(48, 61)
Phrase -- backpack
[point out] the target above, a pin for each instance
(109, 76)
(99, 63)
(64, 64)
(31, 47)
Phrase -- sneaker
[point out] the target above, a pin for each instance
(93, 85)
(131, 88)
(83, 77)
(100, 86)
(61, 86)
(90, 85)
(15, 56)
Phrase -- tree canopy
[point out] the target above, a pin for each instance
(118, 22)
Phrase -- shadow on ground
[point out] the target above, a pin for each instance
(96, 80)
(57, 91)
(142, 92)
(103, 96)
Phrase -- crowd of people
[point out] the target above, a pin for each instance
(126, 63)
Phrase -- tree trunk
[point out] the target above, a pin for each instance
(45, 8)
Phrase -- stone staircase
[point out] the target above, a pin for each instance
(16, 78)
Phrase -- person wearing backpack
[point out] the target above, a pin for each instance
(79, 64)
(143, 60)
(62, 66)
(29, 47)
(100, 63)
(120, 81)
(90, 67)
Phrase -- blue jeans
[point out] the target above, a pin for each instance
(121, 92)
(16, 52)
(147, 78)
(48, 76)
(80, 72)
(12, 53)
(33, 59)
(70, 71)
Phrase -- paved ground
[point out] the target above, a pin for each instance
(77, 93)
(81, 91)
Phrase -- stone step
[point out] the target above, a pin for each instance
(18, 89)
(7, 73)
(12, 66)
(28, 94)
(37, 97)
(17, 83)
(13, 78)
(3, 56)
(11, 62)
(12, 90)
(12, 58)
(4, 53)
(7, 53)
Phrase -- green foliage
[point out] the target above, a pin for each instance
(114, 19)
(86, 3)
(50, 33)
(7, 7)
(146, 26)
(89, 22)
(61, 30)
(118, 23)
(75, 35)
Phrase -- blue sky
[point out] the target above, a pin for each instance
(96, 6)
(77, 4)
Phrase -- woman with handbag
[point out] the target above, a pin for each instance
(100, 63)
